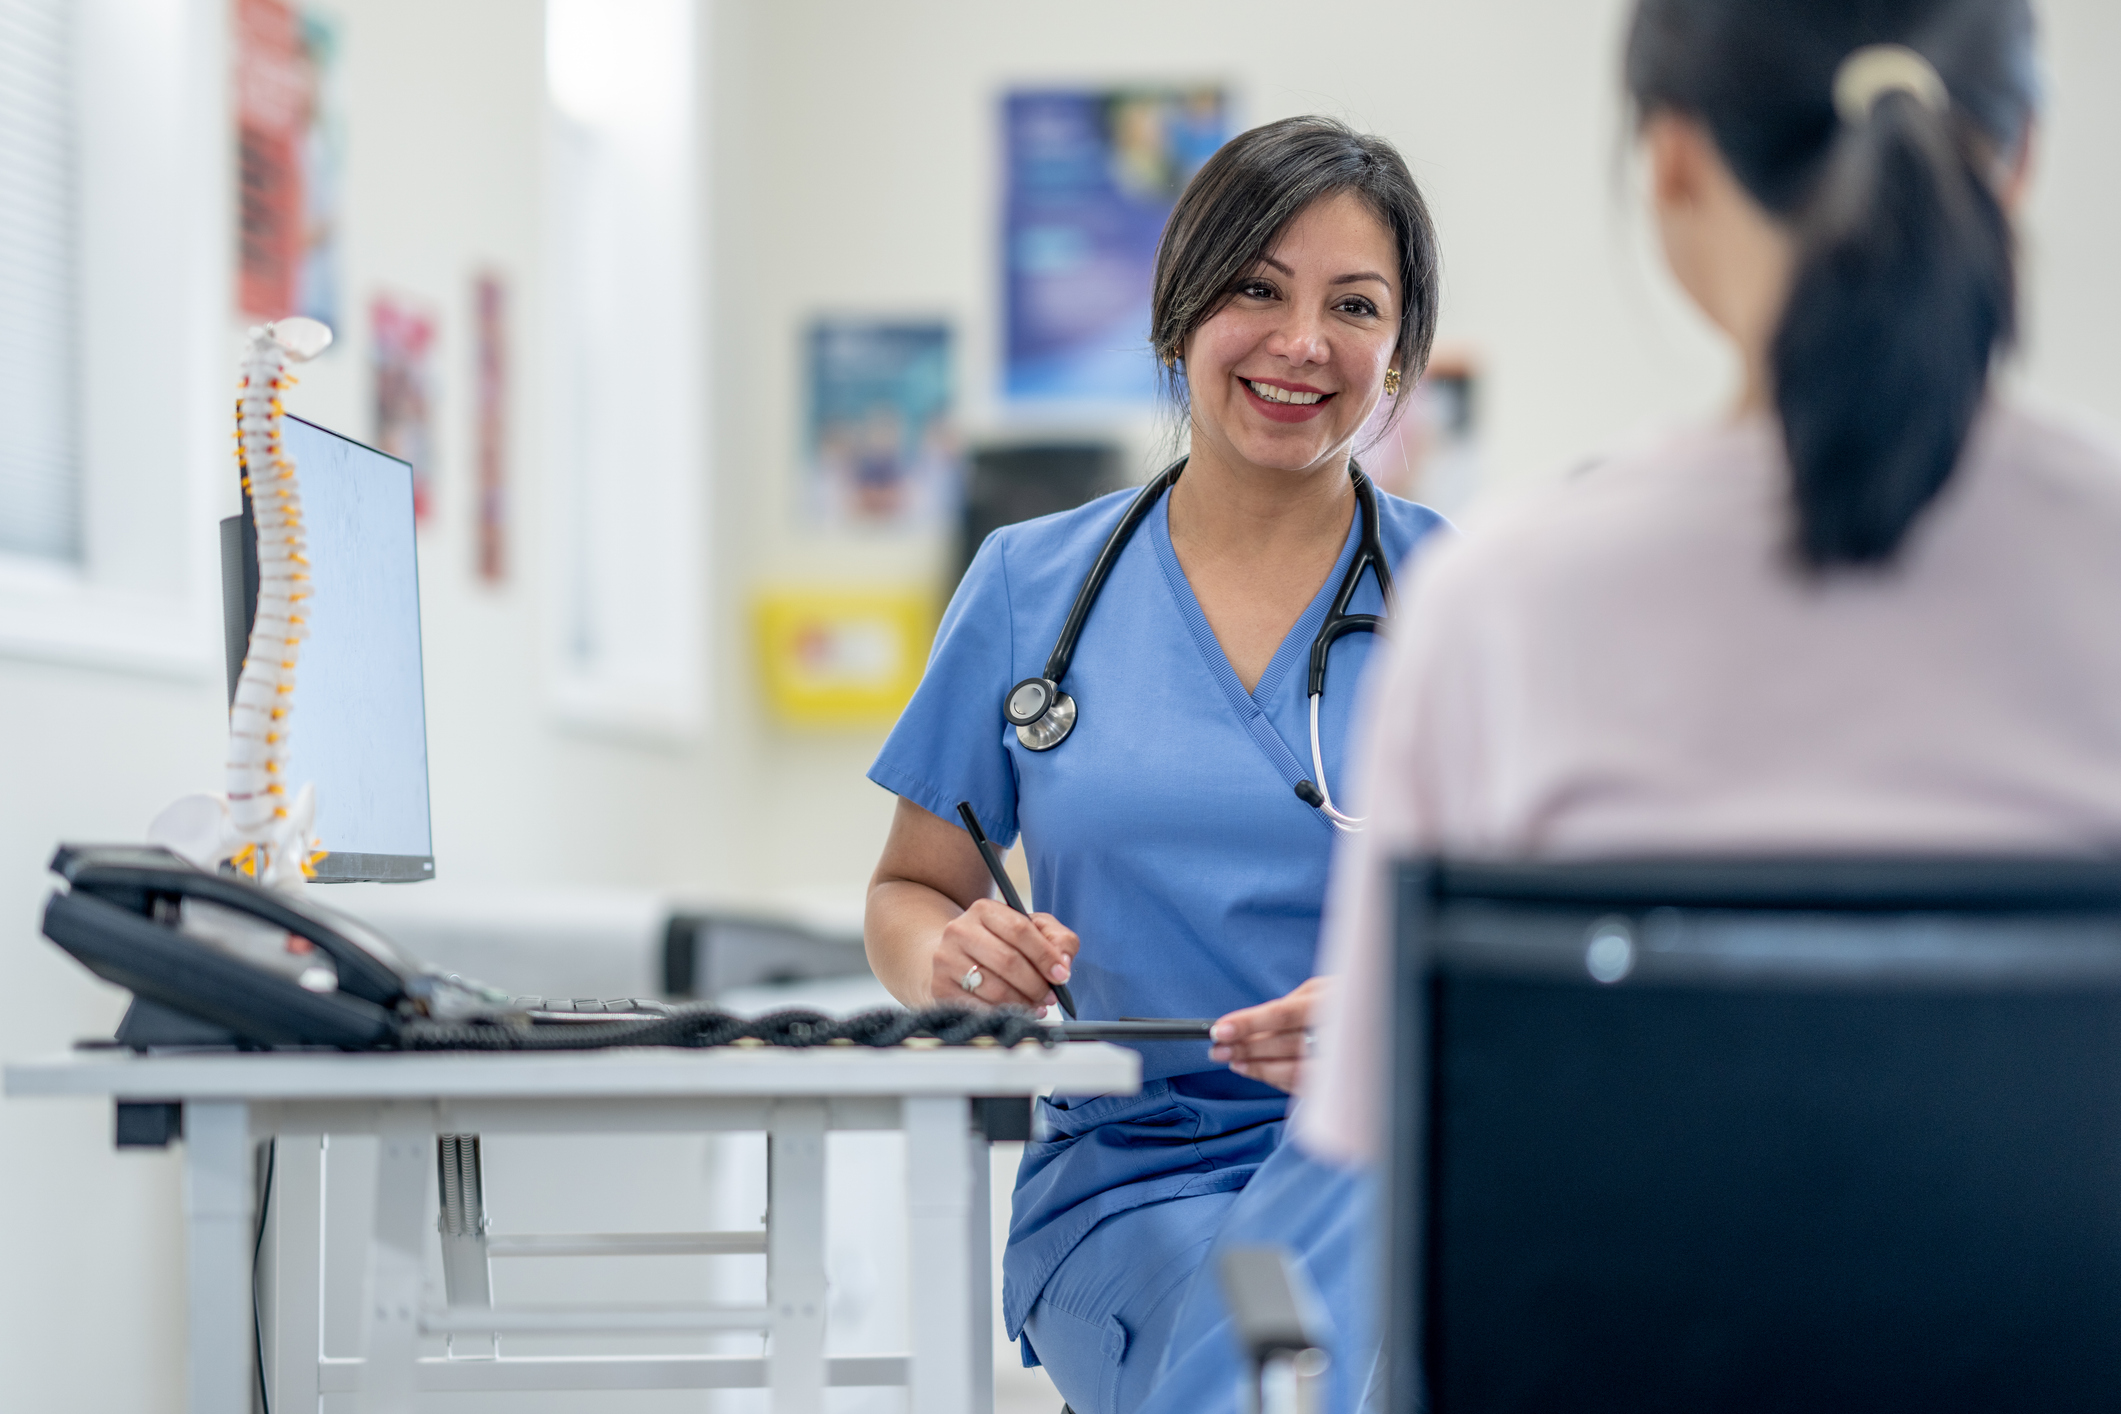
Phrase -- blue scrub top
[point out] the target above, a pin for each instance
(1165, 831)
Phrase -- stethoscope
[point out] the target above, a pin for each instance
(1043, 715)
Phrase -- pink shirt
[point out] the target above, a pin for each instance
(1630, 665)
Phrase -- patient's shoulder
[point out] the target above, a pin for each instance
(2045, 452)
(1688, 497)
(1711, 505)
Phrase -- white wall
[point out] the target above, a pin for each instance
(860, 172)
(862, 175)
(854, 169)
(2074, 212)
(442, 178)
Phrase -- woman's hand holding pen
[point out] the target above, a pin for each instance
(1020, 958)
(931, 920)
(1268, 1042)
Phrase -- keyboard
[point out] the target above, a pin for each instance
(591, 1008)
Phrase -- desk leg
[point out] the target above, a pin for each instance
(947, 1188)
(295, 1310)
(795, 1256)
(979, 1258)
(217, 1219)
(405, 1136)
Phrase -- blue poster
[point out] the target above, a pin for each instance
(883, 447)
(1092, 176)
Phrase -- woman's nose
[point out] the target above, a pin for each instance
(1301, 338)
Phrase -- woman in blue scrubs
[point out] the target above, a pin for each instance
(1179, 868)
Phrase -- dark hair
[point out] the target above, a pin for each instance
(1905, 288)
(1246, 195)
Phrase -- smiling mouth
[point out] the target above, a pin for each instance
(1285, 395)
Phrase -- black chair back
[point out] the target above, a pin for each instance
(1764, 1135)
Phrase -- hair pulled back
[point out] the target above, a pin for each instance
(1905, 290)
(1245, 196)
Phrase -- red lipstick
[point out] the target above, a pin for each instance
(1285, 412)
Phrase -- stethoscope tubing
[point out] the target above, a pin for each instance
(1351, 824)
(1094, 582)
(1049, 718)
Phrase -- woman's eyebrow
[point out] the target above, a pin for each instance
(1355, 278)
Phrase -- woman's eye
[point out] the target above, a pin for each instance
(1256, 289)
(1357, 306)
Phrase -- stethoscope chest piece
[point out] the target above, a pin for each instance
(1042, 714)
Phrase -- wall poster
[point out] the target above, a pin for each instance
(1092, 176)
(402, 346)
(489, 312)
(1431, 454)
(882, 445)
(289, 137)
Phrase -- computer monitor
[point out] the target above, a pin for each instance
(1007, 484)
(1757, 1135)
(360, 717)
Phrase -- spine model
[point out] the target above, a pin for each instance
(262, 825)
(261, 810)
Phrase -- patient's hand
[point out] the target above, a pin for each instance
(1267, 1042)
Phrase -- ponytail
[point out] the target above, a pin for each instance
(1903, 295)
(1872, 132)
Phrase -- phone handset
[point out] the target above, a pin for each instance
(212, 958)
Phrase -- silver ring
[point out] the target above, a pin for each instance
(972, 978)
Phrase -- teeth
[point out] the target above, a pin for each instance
(1282, 395)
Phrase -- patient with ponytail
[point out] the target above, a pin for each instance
(1875, 608)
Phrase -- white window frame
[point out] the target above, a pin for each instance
(156, 365)
(626, 514)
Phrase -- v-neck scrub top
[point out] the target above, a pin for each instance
(1165, 830)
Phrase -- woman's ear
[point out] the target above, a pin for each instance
(1675, 149)
(1680, 161)
(2017, 172)
(1728, 254)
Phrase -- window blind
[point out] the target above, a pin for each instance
(40, 491)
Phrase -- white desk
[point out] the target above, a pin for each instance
(794, 1096)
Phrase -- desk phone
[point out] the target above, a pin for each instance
(213, 959)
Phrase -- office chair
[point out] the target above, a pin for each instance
(1277, 1318)
(1756, 1136)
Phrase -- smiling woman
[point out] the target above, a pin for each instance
(1220, 247)
(1278, 378)
(1166, 763)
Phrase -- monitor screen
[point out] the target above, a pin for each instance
(360, 716)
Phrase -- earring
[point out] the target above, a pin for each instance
(1391, 382)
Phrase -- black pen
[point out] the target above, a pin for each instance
(993, 856)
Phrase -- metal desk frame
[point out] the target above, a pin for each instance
(793, 1096)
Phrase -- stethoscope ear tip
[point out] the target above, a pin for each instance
(1312, 796)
